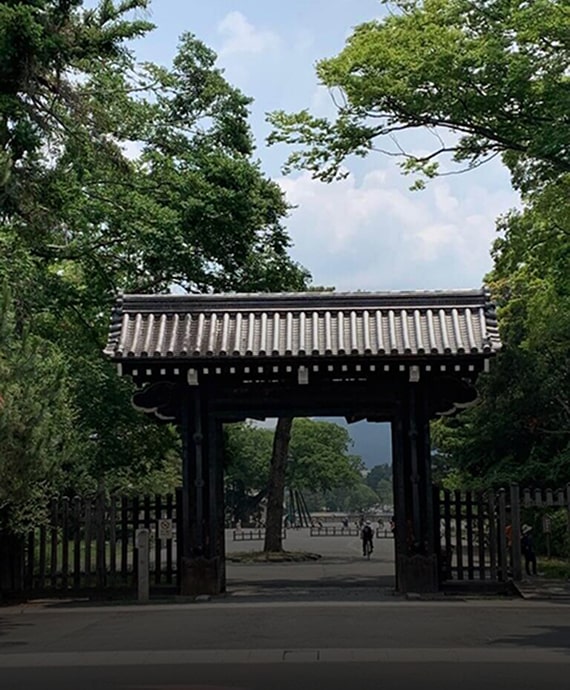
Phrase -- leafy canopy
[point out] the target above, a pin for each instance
(121, 176)
(319, 456)
(493, 73)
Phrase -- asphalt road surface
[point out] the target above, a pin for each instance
(290, 646)
(333, 624)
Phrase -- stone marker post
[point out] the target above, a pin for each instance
(143, 564)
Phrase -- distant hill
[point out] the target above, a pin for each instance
(371, 441)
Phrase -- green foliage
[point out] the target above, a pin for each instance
(492, 77)
(356, 498)
(559, 537)
(377, 474)
(38, 432)
(521, 428)
(554, 568)
(319, 458)
(493, 73)
(247, 454)
(120, 176)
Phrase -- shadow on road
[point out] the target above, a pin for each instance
(547, 636)
(8, 626)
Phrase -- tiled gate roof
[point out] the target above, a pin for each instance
(303, 324)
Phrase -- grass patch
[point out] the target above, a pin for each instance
(272, 557)
(554, 568)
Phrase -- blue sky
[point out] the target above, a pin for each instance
(368, 232)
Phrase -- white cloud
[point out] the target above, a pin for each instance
(374, 234)
(241, 36)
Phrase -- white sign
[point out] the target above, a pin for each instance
(546, 525)
(165, 529)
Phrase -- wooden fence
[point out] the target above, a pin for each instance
(90, 543)
(479, 531)
(472, 536)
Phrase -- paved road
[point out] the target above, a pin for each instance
(340, 573)
(333, 623)
(287, 644)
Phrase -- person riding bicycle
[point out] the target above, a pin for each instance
(367, 534)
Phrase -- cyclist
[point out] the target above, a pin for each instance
(366, 534)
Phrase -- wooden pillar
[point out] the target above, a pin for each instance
(416, 558)
(202, 554)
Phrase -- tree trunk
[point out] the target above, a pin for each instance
(276, 489)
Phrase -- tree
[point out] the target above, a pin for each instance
(320, 457)
(378, 473)
(276, 487)
(485, 79)
(313, 456)
(38, 424)
(82, 220)
(493, 73)
(247, 452)
(520, 431)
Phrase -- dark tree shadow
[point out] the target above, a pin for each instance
(547, 636)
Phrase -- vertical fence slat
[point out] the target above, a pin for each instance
(113, 539)
(169, 544)
(31, 559)
(136, 521)
(53, 541)
(469, 521)
(65, 537)
(492, 534)
(515, 532)
(179, 517)
(42, 558)
(447, 528)
(527, 498)
(124, 538)
(458, 535)
(100, 547)
(157, 541)
(502, 534)
(481, 535)
(568, 516)
(439, 551)
(87, 541)
(77, 514)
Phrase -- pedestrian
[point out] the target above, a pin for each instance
(527, 548)
(366, 535)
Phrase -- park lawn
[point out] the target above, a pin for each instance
(554, 568)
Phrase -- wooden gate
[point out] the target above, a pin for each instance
(478, 532)
(472, 535)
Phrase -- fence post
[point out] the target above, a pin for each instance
(503, 574)
(142, 540)
(568, 521)
(516, 532)
(12, 550)
(100, 566)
